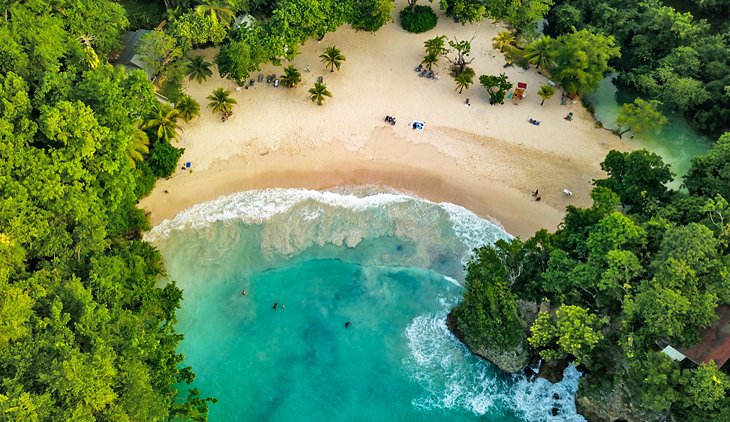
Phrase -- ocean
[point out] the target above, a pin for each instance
(389, 264)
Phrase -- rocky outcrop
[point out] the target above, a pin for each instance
(513, 360)
(610, 404)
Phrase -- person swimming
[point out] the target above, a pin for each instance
(243, 292)
(347, 324)
(276, 304)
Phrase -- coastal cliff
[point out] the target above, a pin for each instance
(611, 403)
(508, 360)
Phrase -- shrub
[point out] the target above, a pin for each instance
(163, 158)
(419, 19)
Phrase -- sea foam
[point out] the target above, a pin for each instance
(452, 378)
(295, 219)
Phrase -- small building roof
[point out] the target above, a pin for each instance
(129, 58)
(714, 342)
(674, 353)
(243, 19)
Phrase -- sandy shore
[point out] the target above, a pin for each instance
(485, 158)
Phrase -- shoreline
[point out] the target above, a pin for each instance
(485, 158)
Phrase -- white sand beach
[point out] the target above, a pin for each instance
(485, 158)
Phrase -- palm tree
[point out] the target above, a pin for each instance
(163, 122)
(464, 79)
(502, 40)
(137, 148)
(430, 60)
(291, 77)
(545, 92)
(318, 92)
(538, 52)
(332, 57)
(86, 40)
(221, 101)
(187, 108)
(219, 11)
(198, 68)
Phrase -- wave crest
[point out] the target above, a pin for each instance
(293, 220)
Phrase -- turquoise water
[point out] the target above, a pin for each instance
(677, 143)
(388, 263)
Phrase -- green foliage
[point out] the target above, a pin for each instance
(640, 116)
(318, 92)
(574, 331)
(521, 15)
(220, 12)
(370, 15)
(580, 60)
(464, 78)
(162, 123)
(667, 54)
(84, 332)
(194, 29)
(164, 158)
(418, 19)
(709, 174)
(221, 101)
(138, 147)
(142, 13)
(332, 57)
(464, 10)
(654, 379)
(497, 86)
(638, 177)
(291, 76)
(187, 108)
(435, 48)
(158, 50)
(198, 68)
(622, 282)
(705, 395)
(247, 49)
(545, 92)
(538, 52)
(503, 40)
(488, 316)
(293, 22)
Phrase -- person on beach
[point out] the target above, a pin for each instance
(534, 194)
(347, 324)
(537, 198)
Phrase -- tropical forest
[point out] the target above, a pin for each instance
(89, 310)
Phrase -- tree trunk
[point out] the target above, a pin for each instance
(621, 134)
(543, 102)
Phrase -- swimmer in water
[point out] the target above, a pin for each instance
(276, 303)
(243, 292)
(347, 324)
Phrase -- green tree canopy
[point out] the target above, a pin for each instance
(580, 60)
(640, 116)
(497, 86)
(709, 174)
(574, 331)
(638, 177)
